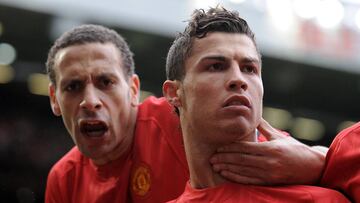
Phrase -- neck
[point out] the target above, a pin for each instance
(201, 172)
(198, 153)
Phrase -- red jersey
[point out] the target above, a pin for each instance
(160, 168)
(342, 168)
(232, 192)
(76, 179)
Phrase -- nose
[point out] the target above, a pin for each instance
(91, 100)
(237, 81)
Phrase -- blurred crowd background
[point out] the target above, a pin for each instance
(311, 69)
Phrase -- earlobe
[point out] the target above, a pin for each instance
(135, 88)
(53, 101)
(170, 91)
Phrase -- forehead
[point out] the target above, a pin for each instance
(225, 44)
(88, 57)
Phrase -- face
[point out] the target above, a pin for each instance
(95, 99)
(221, 93)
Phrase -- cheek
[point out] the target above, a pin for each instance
(206, 86)
(260, 96)
(196, 93)
(259, 90)
(68, 106)
(119, 105)
(257, 95)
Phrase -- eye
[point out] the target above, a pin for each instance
(248, 69)
(217, 67)
(73, 86)
(106, 82)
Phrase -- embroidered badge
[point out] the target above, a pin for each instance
(141, 180)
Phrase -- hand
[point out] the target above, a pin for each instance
(281, 160)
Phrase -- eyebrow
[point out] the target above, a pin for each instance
(218, 58)
(104, 75)
(108, 75)
(250, 60)
(223, 58)
(70, 80)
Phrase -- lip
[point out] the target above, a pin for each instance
(243, 100)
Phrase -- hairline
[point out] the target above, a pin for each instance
(194, 38)
(56, 56)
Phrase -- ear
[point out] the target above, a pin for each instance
(170, 91)
(134, 89)
(53, 101)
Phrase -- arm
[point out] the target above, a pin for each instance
(52, 192)
(281, 160)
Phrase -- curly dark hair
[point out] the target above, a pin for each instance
(216, 19)
(90, 34)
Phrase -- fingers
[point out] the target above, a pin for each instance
(238, 169)
(253, 148)
(239, 159)
(268, 131)
(242, 179)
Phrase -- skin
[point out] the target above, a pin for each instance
(281, 160)
(219, 99)
(91, 89)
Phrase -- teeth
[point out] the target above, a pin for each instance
(92, 122)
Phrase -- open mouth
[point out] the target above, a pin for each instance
(93, 128)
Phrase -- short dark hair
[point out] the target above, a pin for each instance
(84, 34)
(202, 22)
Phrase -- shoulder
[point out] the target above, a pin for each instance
(67, 163)
(153, 105)
(345, 145)
(343, 163)
(159, 112)
(349, 135)
(61, 177)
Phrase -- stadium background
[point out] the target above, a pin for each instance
(310, 70)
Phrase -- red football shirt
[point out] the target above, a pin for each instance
(342, 168)
(160, 171)
(76, 179)
(233, 193)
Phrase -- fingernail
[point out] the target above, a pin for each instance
(216, 168)
(221, 149)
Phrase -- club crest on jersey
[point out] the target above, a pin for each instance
(141, 180)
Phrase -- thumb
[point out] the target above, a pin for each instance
(268, 131)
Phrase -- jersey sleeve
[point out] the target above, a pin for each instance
(342, 168)
(52, 193)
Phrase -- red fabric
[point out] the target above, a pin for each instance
(158, 152)
(158, 146)
(342, 168)
(231, 192)
(76, 179)
(262, 138)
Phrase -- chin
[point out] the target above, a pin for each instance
(239, 128)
